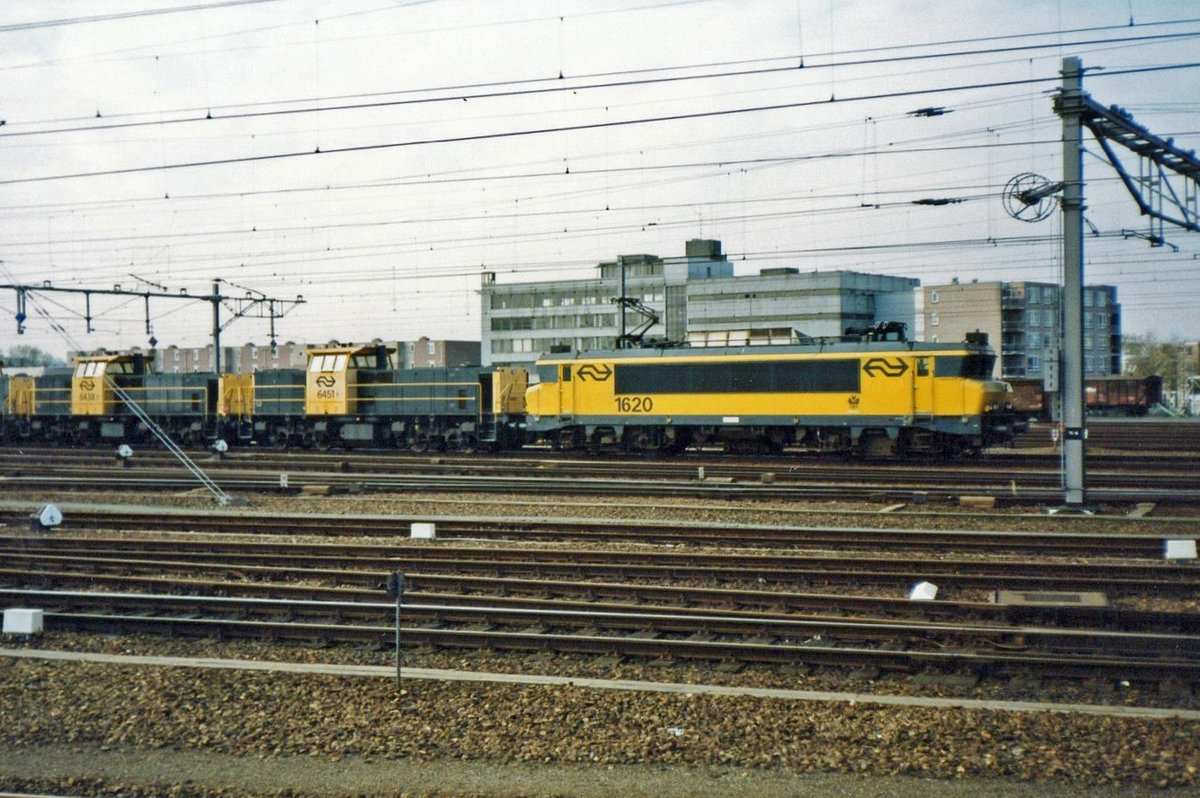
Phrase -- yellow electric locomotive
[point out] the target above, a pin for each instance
(859, 393)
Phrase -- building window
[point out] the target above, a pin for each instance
(1035, 365)
(933, 319)
(933, 297)
(1048, 318)
(1034, 294)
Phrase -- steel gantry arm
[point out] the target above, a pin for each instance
(1165, 187)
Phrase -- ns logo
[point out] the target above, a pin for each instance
(327, 386)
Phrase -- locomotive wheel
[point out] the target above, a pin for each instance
(643, 439)
(458, 440)
(420, 442)
(655, 440)
(876, 444)
(568, 439)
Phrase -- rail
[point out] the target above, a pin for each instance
(741, 637)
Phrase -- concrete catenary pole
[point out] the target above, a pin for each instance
(1074, 432)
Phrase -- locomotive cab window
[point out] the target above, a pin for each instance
(327, 363)
(922, 367)
(92, 368)
(977, 367)
(566, 373)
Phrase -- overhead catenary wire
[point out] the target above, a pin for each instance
(476, 137)
(284, 228)
(467, 93)
(146, 12)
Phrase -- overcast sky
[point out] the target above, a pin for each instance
(176, 143)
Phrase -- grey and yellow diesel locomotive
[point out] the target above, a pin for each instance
(352, 396)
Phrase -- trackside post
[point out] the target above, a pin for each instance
(395, 586)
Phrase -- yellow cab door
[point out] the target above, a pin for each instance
(90, 396)
(21, 402)
(327, 385)
(566, 389)
(236, 392)
(923, 387)
(508, 391)
(567, 393)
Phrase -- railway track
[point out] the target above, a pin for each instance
(538, 529)
(521, 592)
(1144, 435)
(1007, 476)
(298, 587)
(581, 586)
(642, 479)
(614, 630)
(339, 567)
(1012, 462)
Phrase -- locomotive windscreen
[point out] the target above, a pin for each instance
(978, 367)
(780, 376)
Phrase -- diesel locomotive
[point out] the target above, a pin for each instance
(870, 392)
(352, 396)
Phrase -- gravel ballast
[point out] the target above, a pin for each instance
(76, 728)
(280, 716)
